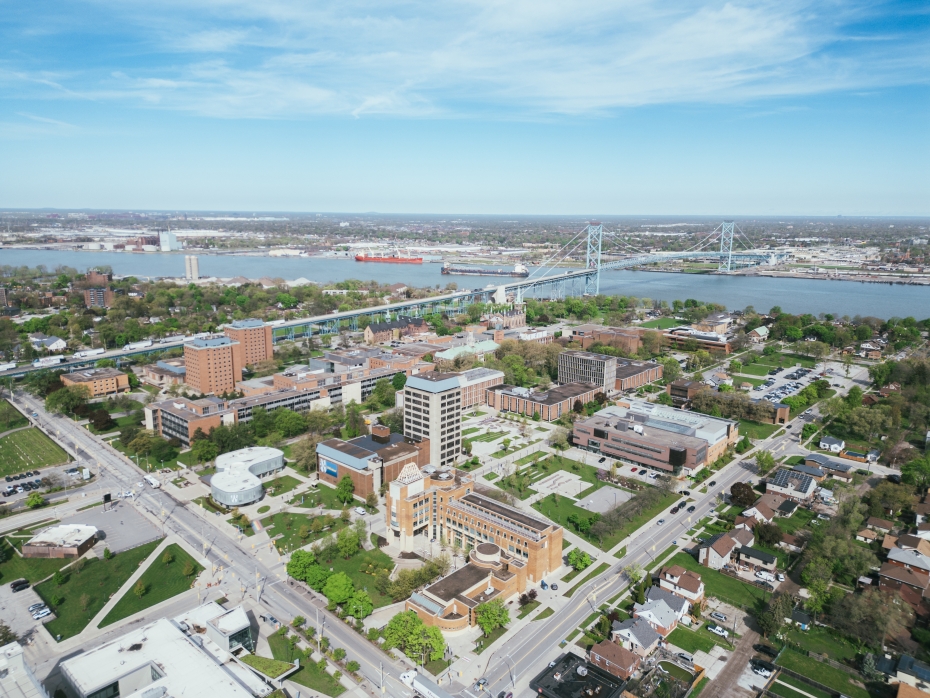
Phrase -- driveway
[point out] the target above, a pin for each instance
(727, 682)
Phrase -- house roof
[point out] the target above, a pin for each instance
(912, 558)
(810, 470)
(757, 554)
(791, 479)
(828, 463)
(645, 635)
(722, 544)
(616, 654)
(676, 603)
(867, 533)
(909, 665)
(787, 507)
(789, 539)
(883, 524)
(687, 580)
(660, 611)
(742, 536)
(763, 509)
(799, 616)
(831, 441)
(904, 575)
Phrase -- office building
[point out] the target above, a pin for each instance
(643, 441)
(168, 241)
(191, 267)
(254, 338)
(16, 678)
(682, 391)
(599, 370)
(548, 404)
(433, 410)
(98, 297)
(690, 339)
(99, 381)
(381, 332)
(213, 365)
(634, 374)
(61, 541)
(239, 474)
(369, 460)
(476, 382)
(165, 372)
(168, 658)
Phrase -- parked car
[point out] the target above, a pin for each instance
(554, 587)
(19, 585)
(41, 614)
(717, 615)
(780, 576)
(632, 471)
(543, 585)
(35, 607)
(764, 673)
(712, 483)
(717, 630)
(685, 493)
(691, 509)
(360, 511)
(766, 650)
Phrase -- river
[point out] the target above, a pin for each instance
(735, 292)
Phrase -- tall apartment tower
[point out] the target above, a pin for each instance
(98, 297)
(213, 365)
(586, 367)
(433, 410)
(254, 338)
(191, 267)
(4, 301)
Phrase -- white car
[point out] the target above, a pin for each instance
(717, 630)
(41, 614)
(360, 511)
(764, 673)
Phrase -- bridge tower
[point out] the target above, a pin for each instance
(592, 282)
(726, 246)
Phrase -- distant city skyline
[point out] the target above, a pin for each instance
(509, 108)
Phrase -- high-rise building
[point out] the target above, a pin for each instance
(168, 241)
(254, 338)
(587, 367)
(191, 267)
(98, 278)
(213, 365)
(98, 297)
(433, 410)
(4, 301)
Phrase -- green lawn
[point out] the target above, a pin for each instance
(470, 430)
(528, 609)
(288, 526)
(806, 687)
(10, 417)
(281, 485)
(662, 323)
(620, 554)
(559, 512)
(545, 613)
(321, 494)
(12, 566)
(834, 678)
(756, 370)
(489, 640)
(310, 675)
(662, 557)
(361, 568)
(690, 641)
(29, 449)
(746, 379)
(720, 585)
(787, 360)
(756, 430)
(600, 569)
(819, 640)
(161, 582)
(98, 581)
(269, 667)
(491, 476)
(702, 684)
(119, 423)
(784, 691)
(801, 518)
(487, 436)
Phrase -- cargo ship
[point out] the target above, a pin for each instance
(389, 257)
(518, 270)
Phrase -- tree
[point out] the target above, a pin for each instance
(339, 588)
(917, 473)
(316, 577)
(352, 666)
(359, 606)
(300, 563)
(289, 423)
(765, 461)
(767, 534)
(67, 399)
(409, 634)
(167, 558)
(742, 494)
(866, 422)
(355, 421)
(399, 381)
(578, 559)
(371, 500)
(6, 635)
(393, 420)
(204, 450)
(304, 453)
(345, 489)
(139, 589)
(492, 615)
(35, 500)
(347, 542)
(890, 499)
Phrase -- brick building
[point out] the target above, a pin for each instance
(99, 381)
(550, 404)
(633, 374)
(254, 338)
(584, 367)
(98, 297)
(214, 365)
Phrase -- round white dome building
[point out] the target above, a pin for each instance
(237, 480)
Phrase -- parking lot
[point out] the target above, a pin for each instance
(120, 526)
(19, 486)
(13, 609)
(782, 382)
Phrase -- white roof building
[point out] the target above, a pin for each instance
(16, 678)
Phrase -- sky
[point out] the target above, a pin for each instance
(467, 106)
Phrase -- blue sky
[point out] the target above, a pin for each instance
(480, 106)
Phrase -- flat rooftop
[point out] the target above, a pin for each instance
(93, 374)
(650, 435)
(248, 323)
(571, 684)
(63, 536)
(553, 396)
(211, 343)
(506, 512)
(457, 583)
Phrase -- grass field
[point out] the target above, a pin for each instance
(801, 518)
(29, 449)
(96, 583)
(756, 370)
(310, 675)
(806, 687)
(662, 323)
(787, 360)
(486, 642)
(322, 494)
(288, 526)
(361, 568)
(756, 430)
(161, 582)
(269, 667)
(720, 585)
(784, 691)
(10, 417)
(528, 609)
(690, 641)
(281, 485)
(14, 567)
(834, 678)
(819, 640)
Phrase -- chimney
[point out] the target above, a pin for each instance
(498, 336)
(380, 433)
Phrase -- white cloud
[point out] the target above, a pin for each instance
(516, 58)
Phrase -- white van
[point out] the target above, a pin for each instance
(152, 482)
(765, 576)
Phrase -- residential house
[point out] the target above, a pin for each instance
(800, 619)
(756, 559)
(758, 335)
(881, 525)
(923, 530)
(717, 551)
(760, 511)
(912, 559)
(787, 508)
(832, 444)
(615, 659)
(867, 535)
(922, 510)
(791, 484)
(636, 635)
(42, 342)
(830, 467)
(813, 471)
(663, 610)
(683, 583)
(791, 543)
